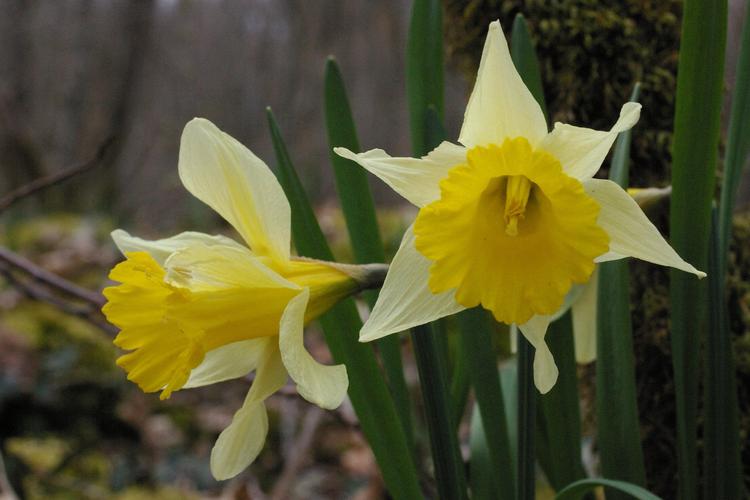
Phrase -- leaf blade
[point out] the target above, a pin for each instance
(367, 390)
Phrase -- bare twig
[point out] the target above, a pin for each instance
(54, 178)
(310, 424)
(92, 301)
(41, 275)
(32, 290)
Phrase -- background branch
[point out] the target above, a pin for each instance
(55, 178)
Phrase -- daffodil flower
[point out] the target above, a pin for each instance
(196, 309)
(511, 218)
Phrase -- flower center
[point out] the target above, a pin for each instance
(511, 231)
(516, 196)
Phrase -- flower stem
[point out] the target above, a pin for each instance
(526, 419)
(449, 467)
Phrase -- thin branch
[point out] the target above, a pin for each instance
(35, 292)
(41, 275)
(54, 178)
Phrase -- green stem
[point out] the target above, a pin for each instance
(526, 419)
(559, 416)
(449, 467)
(482, 366)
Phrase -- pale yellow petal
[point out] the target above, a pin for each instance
(200, 267)
(570, 298)
(227, 362)
(500, 106)
(163, 248)
(240, 443)
(229, 178)
(631, 233)
(545, 369)
(405, 299)
(584, 320)
(582, 150)
(226, 294)
(417, 180)
(320, 384)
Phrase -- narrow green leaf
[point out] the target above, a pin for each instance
(579, 488)
(476, 331)
(460, 381)
(482, 476)
(525, 59)
(738, 144)
(446, 455)
(700, 79)
(618, 429)
(424, 69)
(721, 432)
(559, 415)
(361, 222)
(367, 389)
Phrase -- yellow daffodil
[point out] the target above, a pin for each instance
(196, 309)
(510, 219)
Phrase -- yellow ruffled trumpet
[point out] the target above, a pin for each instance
(196, 309)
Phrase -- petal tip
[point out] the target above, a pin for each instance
(367, 335)
(343, 152)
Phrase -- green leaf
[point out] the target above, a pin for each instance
(559, 417)
(618, 429)
(424, 69)
(738, 144)
(579, 488)
(700, 77)
(482, 476)
(459, 376)
(367, 389)
(476, 331)
(721, 432)
(361, 222)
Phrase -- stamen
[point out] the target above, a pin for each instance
(516, 196)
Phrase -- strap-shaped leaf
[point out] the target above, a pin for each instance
(367, 389)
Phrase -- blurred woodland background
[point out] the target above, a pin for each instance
(75, 73)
